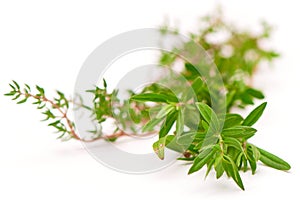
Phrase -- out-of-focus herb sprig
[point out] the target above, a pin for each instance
(237, 54)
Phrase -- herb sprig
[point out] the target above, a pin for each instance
(188, 124)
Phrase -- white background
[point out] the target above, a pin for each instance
(46, 43)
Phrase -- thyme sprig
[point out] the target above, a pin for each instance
(189, 124)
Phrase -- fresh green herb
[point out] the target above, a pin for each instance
(188, 124)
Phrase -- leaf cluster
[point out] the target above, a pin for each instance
(226, 149)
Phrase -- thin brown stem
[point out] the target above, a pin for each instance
(54, 105)
(70, 125)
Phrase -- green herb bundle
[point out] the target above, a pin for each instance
(188, 124)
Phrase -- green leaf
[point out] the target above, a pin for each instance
(245, 163)
(12, 87)
(255, 93)
(232, 120)
(230, 98)
(186, 159)
(230, 141)
(251, 158)
(256, 153)
(165, 110)
(200, 161)
(273, 161)
(196, 86)
(255, 115)
(168, 123)
(232, 170)
(41, 90)
(16, 84)
(208, 144)
(167, 58)
(208, 115)
(180, 122)
(135, 117)
(12, 93)
(246, 98)
(17, 96)
(159, 147)
(151, 124)
(154, 97)
(191, 117)
(209, 166)
(171, 143)
(28, 87)
(22, 101)
(205, 125)
(168, 141)
(239, 160)
(55, 123)
(187, 138)
(104, 83)
(218, 166)
(41, 106)
(239, 132)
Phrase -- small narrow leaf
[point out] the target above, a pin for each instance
(154, 97)
(239, 160)
(12, 87)
(255, 115)
(187, 138)
(151, 124)
(200, 161)
(171, 143)
(218, 166)
(239, 132)
(245, 163)
(28, 87)
(251, 158)
(16, 84)
(179, 122)
(17, 96)
(273, 161)
(104, 83)
(41, 90)
(167, 141)
(186, 159)
(255, 93)
(159, 147)
(168, 123)
(208, 115)
(196, 86)
(232, 120)
(22, 101)
(230, 141)
(10, 93)
(205, 125)
(165, 110)
(209, 166)
(256, 153)
(232, 170)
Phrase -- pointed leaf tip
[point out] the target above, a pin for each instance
(252, 118)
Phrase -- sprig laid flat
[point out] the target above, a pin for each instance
(185, 123)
